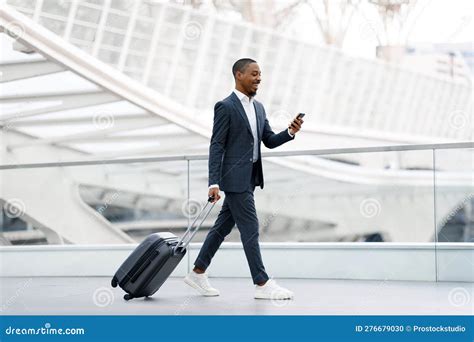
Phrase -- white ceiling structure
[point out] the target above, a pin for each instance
(185, 56)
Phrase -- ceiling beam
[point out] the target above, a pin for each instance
(73, 121)
(97, 134)
(26, 69)
(127, 138)
(70, 100)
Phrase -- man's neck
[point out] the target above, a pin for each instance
(239, 88)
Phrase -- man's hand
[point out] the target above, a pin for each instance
(295, 125)
(214, 192)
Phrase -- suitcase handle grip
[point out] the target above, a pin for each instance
(181, 243)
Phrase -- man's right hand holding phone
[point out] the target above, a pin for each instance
(295, 125)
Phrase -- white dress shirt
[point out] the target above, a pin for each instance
(247, 103)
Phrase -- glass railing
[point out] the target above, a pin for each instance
(402, 194)
(409, 196)
(454, 212)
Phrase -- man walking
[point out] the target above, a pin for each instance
(235, 167)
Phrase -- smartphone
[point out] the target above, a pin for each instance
(300, 115)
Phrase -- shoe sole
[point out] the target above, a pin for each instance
(199, 289)
(272, 298)
(266, 296)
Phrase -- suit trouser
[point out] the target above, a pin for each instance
(238, 208)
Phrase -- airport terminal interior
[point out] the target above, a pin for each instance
(107, 112)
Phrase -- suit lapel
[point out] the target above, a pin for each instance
(240, 109)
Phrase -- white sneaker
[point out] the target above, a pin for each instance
(271, 290)
(200, 282)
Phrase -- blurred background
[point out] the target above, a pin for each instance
(108, 80)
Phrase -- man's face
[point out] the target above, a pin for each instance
(250, 78)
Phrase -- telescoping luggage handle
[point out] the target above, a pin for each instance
(181, 243)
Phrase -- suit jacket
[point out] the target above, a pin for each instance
(231, 147)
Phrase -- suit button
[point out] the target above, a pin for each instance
(251, 144)
(251, 159)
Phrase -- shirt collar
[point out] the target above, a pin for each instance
(242, 97)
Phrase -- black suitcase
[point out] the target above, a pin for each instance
(152, 262)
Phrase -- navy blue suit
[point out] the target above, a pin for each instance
(231, 166)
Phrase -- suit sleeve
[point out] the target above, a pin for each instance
(217, 146)
(271, 139)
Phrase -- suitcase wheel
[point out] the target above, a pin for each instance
(127, 296)
(114, 282)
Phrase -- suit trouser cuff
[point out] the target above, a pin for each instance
(261, 278)
(200, 264)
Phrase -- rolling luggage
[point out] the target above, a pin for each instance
(152, 262)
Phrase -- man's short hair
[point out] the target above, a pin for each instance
(241, 65)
